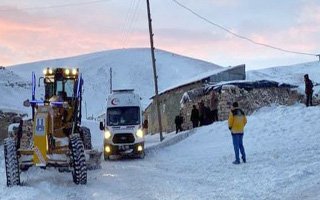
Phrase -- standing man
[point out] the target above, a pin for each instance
(194, 116)
(308, 90)
(145, 126)
(214, 106)
(202, 113)
(178, 121)
(237, 120)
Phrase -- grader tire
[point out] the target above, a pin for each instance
(78, 160)
(86, 137)
(11, 162)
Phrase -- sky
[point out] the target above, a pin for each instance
(34, 30)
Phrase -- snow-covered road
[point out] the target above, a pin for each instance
(282, 145)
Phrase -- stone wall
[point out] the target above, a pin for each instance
(7, 118)
(169, 108)
(249, 100)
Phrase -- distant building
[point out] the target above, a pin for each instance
(170, 98)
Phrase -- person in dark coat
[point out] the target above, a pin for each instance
(207, 119)
(201, 113)
(178, 121)
(214, 106)
(145, 124)
(194, 117)
(308, 90)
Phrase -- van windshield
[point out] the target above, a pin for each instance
(120, 116)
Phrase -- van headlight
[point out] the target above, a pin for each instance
(107, 135)
(139, 133)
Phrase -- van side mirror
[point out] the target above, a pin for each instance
(101, 126)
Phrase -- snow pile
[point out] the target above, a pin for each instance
(282, 163)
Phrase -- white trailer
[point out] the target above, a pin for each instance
(122, 126)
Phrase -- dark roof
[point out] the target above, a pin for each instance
(248, 85)
(198, 78)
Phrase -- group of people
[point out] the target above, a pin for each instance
(205, 115)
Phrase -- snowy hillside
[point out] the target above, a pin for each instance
(282, 145)
(289, 74)
(132, 68)
(13, 87)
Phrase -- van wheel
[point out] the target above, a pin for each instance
(106, 157)
(86, 137)
(142, 155)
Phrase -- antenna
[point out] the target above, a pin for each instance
(110, 80)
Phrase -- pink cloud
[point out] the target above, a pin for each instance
(37, 35)
(25, 38)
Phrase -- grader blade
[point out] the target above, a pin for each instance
(93, 159)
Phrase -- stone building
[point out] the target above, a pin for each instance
(170, 98)
(250, 96)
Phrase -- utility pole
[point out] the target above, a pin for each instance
(156, 97)
(110, 80)
(85, 104)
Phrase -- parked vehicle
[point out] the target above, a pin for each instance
(123, 131)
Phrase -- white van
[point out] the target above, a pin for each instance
(123, 132)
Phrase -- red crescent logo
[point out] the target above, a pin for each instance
(114, 101)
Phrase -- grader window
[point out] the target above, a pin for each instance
(49, 90)
(68, 87)
(65, 86)
(49, 87)
(59, 86)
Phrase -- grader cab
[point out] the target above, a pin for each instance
(54, 137)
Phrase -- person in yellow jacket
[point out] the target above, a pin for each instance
(237, 120)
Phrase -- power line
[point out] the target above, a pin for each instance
(132, 23)
(126, 22)
(55, 6)
(237, 35)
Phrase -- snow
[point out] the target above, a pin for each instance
(12, 101)
(282, 163)
(194, 79)
(282, 143)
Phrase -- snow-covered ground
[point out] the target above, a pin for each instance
(283, 161)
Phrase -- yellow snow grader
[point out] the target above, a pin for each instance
(54, 137)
